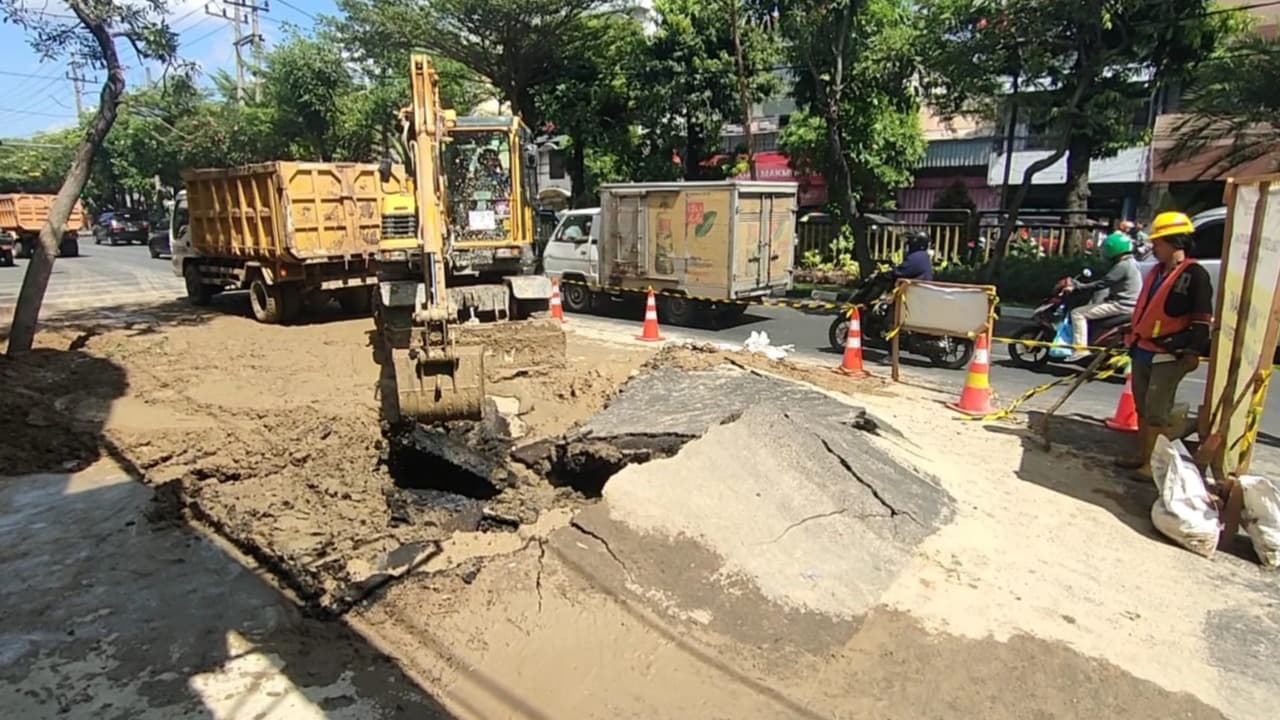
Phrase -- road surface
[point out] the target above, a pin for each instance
(103, 275)
(106, 276)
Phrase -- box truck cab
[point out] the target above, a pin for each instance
(572, 256)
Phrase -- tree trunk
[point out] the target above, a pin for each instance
(27, 311)
(743, 95)
(1078, 161)
(577, 173)
(843, 187)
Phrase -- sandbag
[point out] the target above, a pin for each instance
(1183, 512)
(1261, 517)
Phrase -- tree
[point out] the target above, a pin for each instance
(689, 81)
(91, 37)
(860, 125)
(304, 81)
(511, 43)
(1086, 68)
(1232, 111)
(588, 97)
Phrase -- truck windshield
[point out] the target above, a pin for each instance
(478, 168)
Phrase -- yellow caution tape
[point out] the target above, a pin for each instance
(1114, 365)
(1253, 418)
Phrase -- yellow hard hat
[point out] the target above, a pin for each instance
(1171, 223)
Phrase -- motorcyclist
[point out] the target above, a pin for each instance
(1123, 281)
(918, 264)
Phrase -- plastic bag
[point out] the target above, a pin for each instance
(1184, 511)
(1261, 517)
(1062, 341)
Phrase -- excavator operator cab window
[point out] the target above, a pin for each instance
(478, 167)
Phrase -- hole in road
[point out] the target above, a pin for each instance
(587, 465)
(415, 468)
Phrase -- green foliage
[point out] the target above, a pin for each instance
(1086, 68)
(857, 95)
(686, 82)
(1024, 279)
(304, 81)
(1232, 112)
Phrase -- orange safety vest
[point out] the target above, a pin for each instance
(1149, 317)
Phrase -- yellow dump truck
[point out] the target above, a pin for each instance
(22, 217)
(293, 234)
(730, 240)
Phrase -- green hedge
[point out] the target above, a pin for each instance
(1024, 280)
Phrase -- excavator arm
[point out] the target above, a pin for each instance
(427, 374)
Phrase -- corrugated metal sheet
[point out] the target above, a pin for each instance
(926, 191)
(973, 152)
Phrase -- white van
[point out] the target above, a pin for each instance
(573, 253)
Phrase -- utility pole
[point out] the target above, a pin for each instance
(77, 81)
(254, 40)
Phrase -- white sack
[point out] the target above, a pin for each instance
(1184, 511)
(1261, 517)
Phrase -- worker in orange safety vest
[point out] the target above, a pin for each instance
(1168, 335)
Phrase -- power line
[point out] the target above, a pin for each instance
(29, 75)
(62, 116)
(298, 10)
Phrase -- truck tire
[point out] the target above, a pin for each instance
(197, 292)
(266, 301)
(25, 247)
(678, 310)
(576, 297)
(70, 246)
(6, 258)
(356, 301)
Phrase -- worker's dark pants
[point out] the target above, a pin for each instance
(1155, 389)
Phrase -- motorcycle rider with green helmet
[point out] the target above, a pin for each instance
(1123, 282)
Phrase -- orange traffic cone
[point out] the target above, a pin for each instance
(851, 363)
(557, 310)
(975, 399)
(1125, 418)
(650, 331)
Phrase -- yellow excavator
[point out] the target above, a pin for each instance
(455, 255)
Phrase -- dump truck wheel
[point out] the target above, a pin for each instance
(355, 301)
(266, 301)
(197, 292)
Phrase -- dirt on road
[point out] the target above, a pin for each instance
(516, 592)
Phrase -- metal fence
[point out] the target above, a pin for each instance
(958, 236)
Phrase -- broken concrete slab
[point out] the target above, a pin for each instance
(801, 512)
(672, 401)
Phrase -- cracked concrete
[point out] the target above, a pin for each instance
(788, 506)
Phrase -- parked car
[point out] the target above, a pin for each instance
(122, 226)
(159, 243)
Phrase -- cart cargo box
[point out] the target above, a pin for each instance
(729, 239)
(285, 211)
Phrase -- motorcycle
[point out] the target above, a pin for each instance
(875, 300)
(1051, 324)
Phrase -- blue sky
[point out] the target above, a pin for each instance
(36, 95)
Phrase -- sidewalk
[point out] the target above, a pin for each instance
(112, 609)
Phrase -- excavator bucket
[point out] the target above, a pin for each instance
(438, 390)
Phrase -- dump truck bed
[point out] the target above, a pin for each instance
(285, 211)
(28, 212)
(728, 239)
